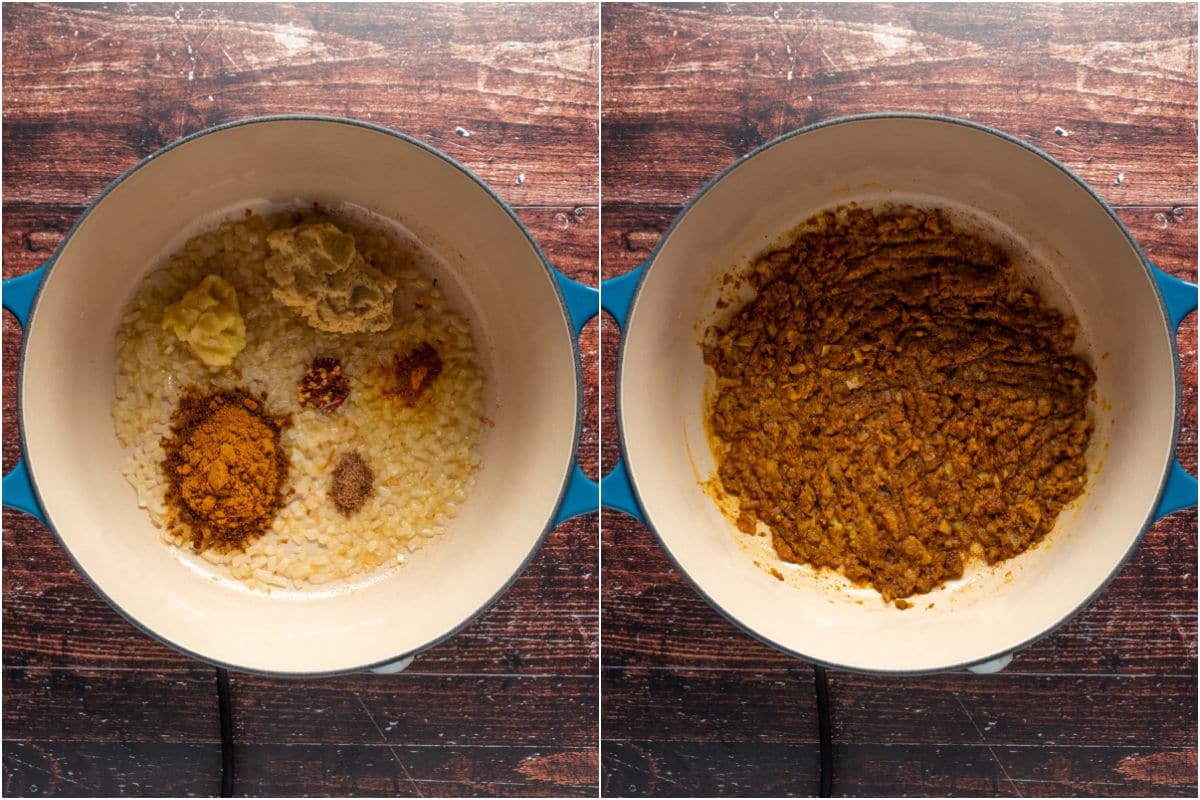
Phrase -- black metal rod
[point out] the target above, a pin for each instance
(226, 711)
(824, 731)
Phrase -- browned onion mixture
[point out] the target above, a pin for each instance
(896, 401)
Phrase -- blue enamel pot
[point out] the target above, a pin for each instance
(1069, 243)
(524, 316)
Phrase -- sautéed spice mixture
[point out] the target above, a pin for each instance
(255, 394)
(894, 401)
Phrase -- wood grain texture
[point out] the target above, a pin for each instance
(776, 706)
(421, 708)
(521, 81)
(689, 89)
(732, 769)
(49, 768)
(1106, 705)
(506, 707)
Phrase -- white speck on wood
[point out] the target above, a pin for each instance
(520, 178)
(461, 131)
(1061, 131)
(1120, 179)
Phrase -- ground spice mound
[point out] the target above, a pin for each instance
(353, 482)
(895, 401)
(224, 466)
(415, 372)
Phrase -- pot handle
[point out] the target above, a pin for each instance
(18, 492)
(616, 490)
(993, 666)
(392, 668)
(19, 292)
(18, 295)
(1180, 298)
(582, 495)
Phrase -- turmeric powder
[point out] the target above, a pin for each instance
(225, 469)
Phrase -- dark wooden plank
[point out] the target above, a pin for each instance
(689, 89)
(733, 769)
(46, 768)
(778, 706)
(90, 90)
(413, 708)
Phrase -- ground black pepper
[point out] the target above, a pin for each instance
(353, 483)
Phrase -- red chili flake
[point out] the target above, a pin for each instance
(324, 387)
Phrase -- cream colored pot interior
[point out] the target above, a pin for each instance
(500, 283)
(1071, 248)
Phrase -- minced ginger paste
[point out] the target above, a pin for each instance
(895, 401)
(208, 321)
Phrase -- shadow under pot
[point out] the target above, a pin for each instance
(462, 252)
(1077, 254)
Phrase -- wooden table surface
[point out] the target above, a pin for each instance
(1105, 706)
(509, 705)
